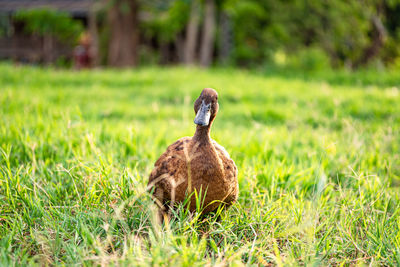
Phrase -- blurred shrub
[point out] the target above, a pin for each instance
(50, 22)
(396, 64)
(4, 25)
(167, 20)
(309, 59)
(148, 56)
(63, 62)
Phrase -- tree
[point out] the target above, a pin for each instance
(192, 33)
(208, 36)
(124, 33)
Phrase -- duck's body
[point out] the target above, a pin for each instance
(196, 165)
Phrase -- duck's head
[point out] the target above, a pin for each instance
(206, 107)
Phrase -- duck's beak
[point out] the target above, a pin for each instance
(203, 115)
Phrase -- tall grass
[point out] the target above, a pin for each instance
(318, 160)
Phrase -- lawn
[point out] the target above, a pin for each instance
(318, 159)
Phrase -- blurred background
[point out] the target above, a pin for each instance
(294, 34)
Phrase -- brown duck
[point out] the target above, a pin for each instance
(196, 164)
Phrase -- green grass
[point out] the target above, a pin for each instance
(318, 160)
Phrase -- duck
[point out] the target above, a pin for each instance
(196, 166)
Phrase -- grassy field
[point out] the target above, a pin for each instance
(318, 159)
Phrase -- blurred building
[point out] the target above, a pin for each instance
(16, 44)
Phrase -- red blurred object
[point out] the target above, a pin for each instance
(82, 57)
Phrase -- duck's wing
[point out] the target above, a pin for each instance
(230, 172)
(229, 164)
(167, 169)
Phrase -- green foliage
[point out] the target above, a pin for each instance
(50, 22)
(249, 18)
(4, 25)
(310, 59)
(319, 168)
(168, 18)
(342, 29)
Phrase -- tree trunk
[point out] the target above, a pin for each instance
(94, 35)
(124, 33)
(48, 49)
(179, 48)
(164, 53)
(226, 39)
(191, 34)
(207, 45)
(379, 35)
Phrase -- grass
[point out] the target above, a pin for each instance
(318, 160)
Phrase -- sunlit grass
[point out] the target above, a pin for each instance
(318, 160)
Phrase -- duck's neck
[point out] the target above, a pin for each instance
(202, 134)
